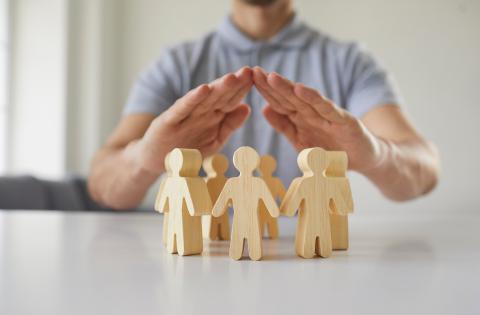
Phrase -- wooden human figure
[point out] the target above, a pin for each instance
(245, 192)
(187, 198)
(157, 201)
(337, 168)
(215, 167)
(314, 193)
(266, 168)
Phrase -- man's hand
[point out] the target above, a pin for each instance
(203, 119)
(308, 119)
(133, 157)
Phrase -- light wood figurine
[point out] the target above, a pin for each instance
(245, 192)
(266, 168)
(314, 194)
(157, 201)
(337, 168)
(186, 196)
(215, 167)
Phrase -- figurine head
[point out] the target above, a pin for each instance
(184, 162)
(312, 161)
(168, 169)
(246, 160)
(267, 166)
(215, 165)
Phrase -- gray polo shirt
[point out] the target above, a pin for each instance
(343, 72)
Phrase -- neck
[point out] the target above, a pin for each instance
(261, 22)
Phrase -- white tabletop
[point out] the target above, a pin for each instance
(425, 262)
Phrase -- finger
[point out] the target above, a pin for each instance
(308, 114)
(280, 99)
(222, 90)
(236, 99)
(260, 81)
(281, 123)
(184, 106)
(281, 86)
(223, 87)
(314, 122)
(244, 82)
(243, 78)
(326, 108)
(232, 122)
(272, 101)
(284, 88)
(207, 120)
(245, 75)
(206, 136)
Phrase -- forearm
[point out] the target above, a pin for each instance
(405, 170)
(117, 180)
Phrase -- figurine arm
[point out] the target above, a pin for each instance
(280, 189)
(223, 199)
(197, 197)
(161, 202)
(340, 196)
(269, 201)
(292, 199)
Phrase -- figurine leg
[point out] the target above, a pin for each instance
(323, 237)
(323, 246)
(236, 245)
(214, 233)
(206, 226)
(165, 229)
(192, 241)
(339, 225)
(171, 234)
(255, 247)
(273, 228)
(262, 220)
(172, 243)
(305, 247)
(180, 244)
(224, 230)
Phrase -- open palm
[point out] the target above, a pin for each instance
(308, 119)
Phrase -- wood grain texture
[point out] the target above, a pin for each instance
(215, 228)
(186, 197)
(313, 194)
(337, 168)
(267, 166)
(160, 209)
(245, 192)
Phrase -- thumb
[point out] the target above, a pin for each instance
(184, 106)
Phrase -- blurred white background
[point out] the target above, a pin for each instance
(66, 67)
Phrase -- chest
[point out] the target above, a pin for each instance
(316, 195)
(311, 67)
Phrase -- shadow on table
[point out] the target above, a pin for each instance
(278, 249)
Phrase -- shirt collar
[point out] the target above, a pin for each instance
(293, 35)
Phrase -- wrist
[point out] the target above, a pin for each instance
(136, 155)
(381, 152)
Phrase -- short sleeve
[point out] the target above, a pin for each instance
(369, 85)
(157, 88)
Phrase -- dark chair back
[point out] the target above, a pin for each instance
(27, 192)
